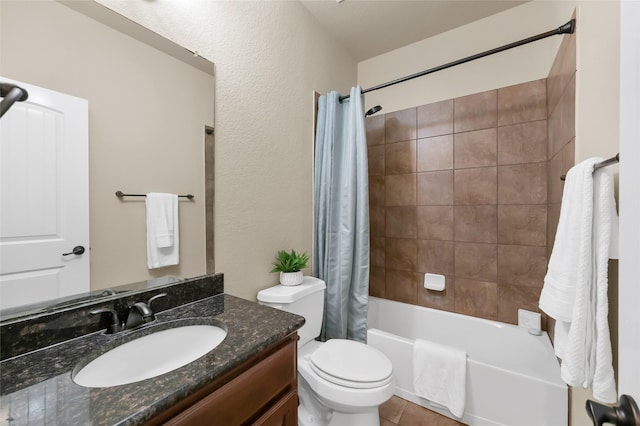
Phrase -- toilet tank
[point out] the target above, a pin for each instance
(306, 299)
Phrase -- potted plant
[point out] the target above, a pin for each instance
(290, 266)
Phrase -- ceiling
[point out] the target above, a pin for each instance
(368, 28)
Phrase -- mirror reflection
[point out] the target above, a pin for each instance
(112, 107)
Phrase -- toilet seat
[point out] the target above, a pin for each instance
(351, 364)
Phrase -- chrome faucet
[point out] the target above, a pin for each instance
(141, 313)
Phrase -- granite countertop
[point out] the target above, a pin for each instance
(36, 387)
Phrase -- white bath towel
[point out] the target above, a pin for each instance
(439, 374)
(605, 223)
(575, 287)
(573, 235)
(163, 241)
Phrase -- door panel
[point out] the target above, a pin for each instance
(44, 210)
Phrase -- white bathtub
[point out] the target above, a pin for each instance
(513, 377)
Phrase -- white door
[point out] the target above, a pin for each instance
(44, 197)
(629, 291)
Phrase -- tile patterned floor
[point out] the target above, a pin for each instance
(400, 412)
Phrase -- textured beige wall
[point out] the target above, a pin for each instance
(598, 80)
(525, 63)
(270, 57)
(144, 135)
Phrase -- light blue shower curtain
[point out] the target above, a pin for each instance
(341, 215)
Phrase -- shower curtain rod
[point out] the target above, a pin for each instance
(567, 28)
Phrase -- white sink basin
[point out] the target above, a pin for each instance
(150, 356)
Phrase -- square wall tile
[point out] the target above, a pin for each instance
(568, 156)
(400, 190)
(553, 217)
(562, 120)
(375, 156)
(401, 254)
(401, 286)
(555, 86)
(443, 300)
(555, 185)
(400, 125)
(377, 282)
(522, 183)
(435, 119)
(476, 261)
(522, 143)
(477, 111)
(476, 298)
(478, 224)
(478, 148)
(375, 130)
(435, 257)
(376, 191)
(377, 252)
(435, 222)
(522, 103)
(435, 188)
(522, 265)
(522, 224)
(377, 221)
(511, 298)
(562, 70)
(475, 186)
(435, 153)
(401, 222)
(400, 157)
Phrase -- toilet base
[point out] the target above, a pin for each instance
(368, 417)
(313, 412)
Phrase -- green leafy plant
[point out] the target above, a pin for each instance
(290, 262)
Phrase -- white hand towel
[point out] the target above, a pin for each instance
(439, 374)
(575, 287)
(162, 230)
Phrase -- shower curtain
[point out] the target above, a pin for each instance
(341, 215)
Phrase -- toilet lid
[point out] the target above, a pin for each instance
(351, 364)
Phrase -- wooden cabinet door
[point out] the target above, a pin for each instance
(269, 385)
(283, 413)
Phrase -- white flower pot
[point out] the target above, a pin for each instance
(291, 278)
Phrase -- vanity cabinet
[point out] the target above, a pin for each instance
(261, 391)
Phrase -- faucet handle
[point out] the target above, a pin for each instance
(115, 324)
(154, 298)
(141, 313)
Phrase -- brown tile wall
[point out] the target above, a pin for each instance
(459, 188)
(561, 96)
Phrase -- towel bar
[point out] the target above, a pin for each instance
(605, 163)
(121, 194)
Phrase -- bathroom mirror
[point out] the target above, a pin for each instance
(150, 129)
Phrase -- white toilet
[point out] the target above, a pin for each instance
(340, 382)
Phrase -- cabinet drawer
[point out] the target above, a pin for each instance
(283, 413)
(247, 395)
